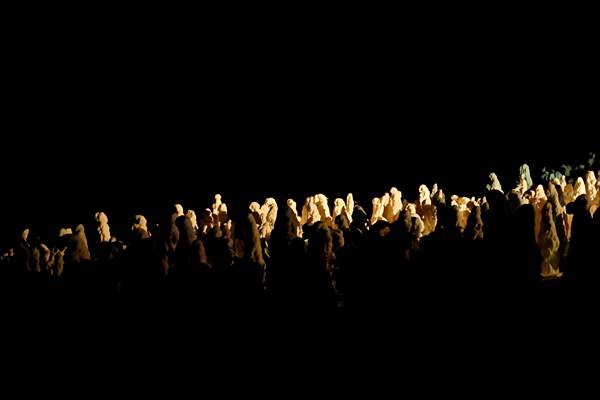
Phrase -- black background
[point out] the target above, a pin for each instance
(133, 121)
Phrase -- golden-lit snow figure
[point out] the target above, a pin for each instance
(538, 200)
(463, 211)
(523, 186)
(140, 224)
(269, 216)
(417, 225)
(396, 204)
(590, 186)
(377, 211)
(323, 207)
(255, 211)
(549, 244)
(429, 219)
(206, 222)
(219, 210)
(562, 182)
(313, 214)
(310, 212)
(103, 228)
(568, 193)
(305, 210)
(494, 183)
(292, 205)
(350, 204)
(338, 208)
(386, 205)
(579, 188)
(191, 214)
(424, 196)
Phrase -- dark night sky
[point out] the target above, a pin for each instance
(150, 123)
